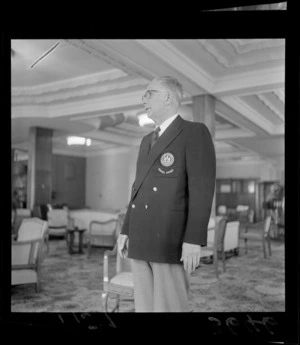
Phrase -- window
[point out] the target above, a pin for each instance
(225, 188)
(251, 187)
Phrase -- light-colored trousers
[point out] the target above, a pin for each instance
(160, 287)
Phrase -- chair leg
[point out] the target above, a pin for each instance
(223, 259)
(269, 246)
(104, 301)
(89, 248)
(215, 258)
(116, 307)
(47, 242)
(37, 286)
(246, 247)
(264, 249)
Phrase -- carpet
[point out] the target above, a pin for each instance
(73, 283)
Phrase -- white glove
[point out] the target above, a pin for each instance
(190, 256)
(123, 245)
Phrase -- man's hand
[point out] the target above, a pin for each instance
(123, 243)
(190, 256)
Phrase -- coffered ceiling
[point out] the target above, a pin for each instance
(93, 88)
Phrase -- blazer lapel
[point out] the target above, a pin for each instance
(147, 160)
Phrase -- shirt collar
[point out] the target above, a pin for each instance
(166, 124)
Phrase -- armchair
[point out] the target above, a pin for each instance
(26, 252)
(102, 233)
(121, 282)
(58, 221)
(260, 233)
(216, 248)
(19, 215)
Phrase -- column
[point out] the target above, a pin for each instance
(204, 111)
(39, 181)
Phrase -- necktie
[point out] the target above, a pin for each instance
(154, 136)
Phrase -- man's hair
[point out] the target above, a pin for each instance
(173, 85)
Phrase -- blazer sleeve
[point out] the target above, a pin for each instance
(125, 226)
(201, 175)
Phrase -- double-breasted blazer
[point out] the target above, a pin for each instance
(172, 194)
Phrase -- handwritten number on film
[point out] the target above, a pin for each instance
(86, 317)
(252, 325)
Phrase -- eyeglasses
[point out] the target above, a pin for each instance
(148, 93)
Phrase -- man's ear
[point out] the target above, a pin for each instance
(168, 98)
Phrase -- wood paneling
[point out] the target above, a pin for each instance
(68, 180)
(239, 194)
(43, 187)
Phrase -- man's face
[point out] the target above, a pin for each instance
(153, 101)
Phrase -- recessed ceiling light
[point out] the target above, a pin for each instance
(78, 141)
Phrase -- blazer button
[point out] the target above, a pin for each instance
(146, 206)
(155, 189)
(133, 205)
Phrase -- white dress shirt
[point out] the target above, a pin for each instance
(166, 124)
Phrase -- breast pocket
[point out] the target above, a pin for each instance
(167, 172)
(167, 165)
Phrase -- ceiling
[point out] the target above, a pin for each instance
(93, 88)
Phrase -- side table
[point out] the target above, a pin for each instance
(70, 235)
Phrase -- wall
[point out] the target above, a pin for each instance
(262, 171)
(68, 180)
(109, 178)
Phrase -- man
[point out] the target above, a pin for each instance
(169, 210)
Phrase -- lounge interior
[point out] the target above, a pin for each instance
(77, 121)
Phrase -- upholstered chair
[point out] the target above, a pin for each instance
(216, 248)
(58, 220)
(258, 233)
(120, 283)
(102, 233)
(26, 252)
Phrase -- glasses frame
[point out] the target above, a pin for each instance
(148, 94)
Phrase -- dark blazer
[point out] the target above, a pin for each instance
(172, 194)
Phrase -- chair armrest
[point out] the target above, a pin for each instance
(104, 222)
(113, 251)
(254, 226)
(23, 253)
(209, 245)
(101, 223)
(20, 243)
(108, 253)
(90, 233)
(23, 267)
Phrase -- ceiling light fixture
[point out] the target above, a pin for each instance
(78, 141)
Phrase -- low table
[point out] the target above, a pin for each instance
(70, 235)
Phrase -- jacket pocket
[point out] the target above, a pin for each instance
(160, 172)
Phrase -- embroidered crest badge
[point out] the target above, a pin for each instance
(167, 159)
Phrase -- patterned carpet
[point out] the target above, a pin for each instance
(73, 283)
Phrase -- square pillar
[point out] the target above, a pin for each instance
(39, 182)
(204, 111)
